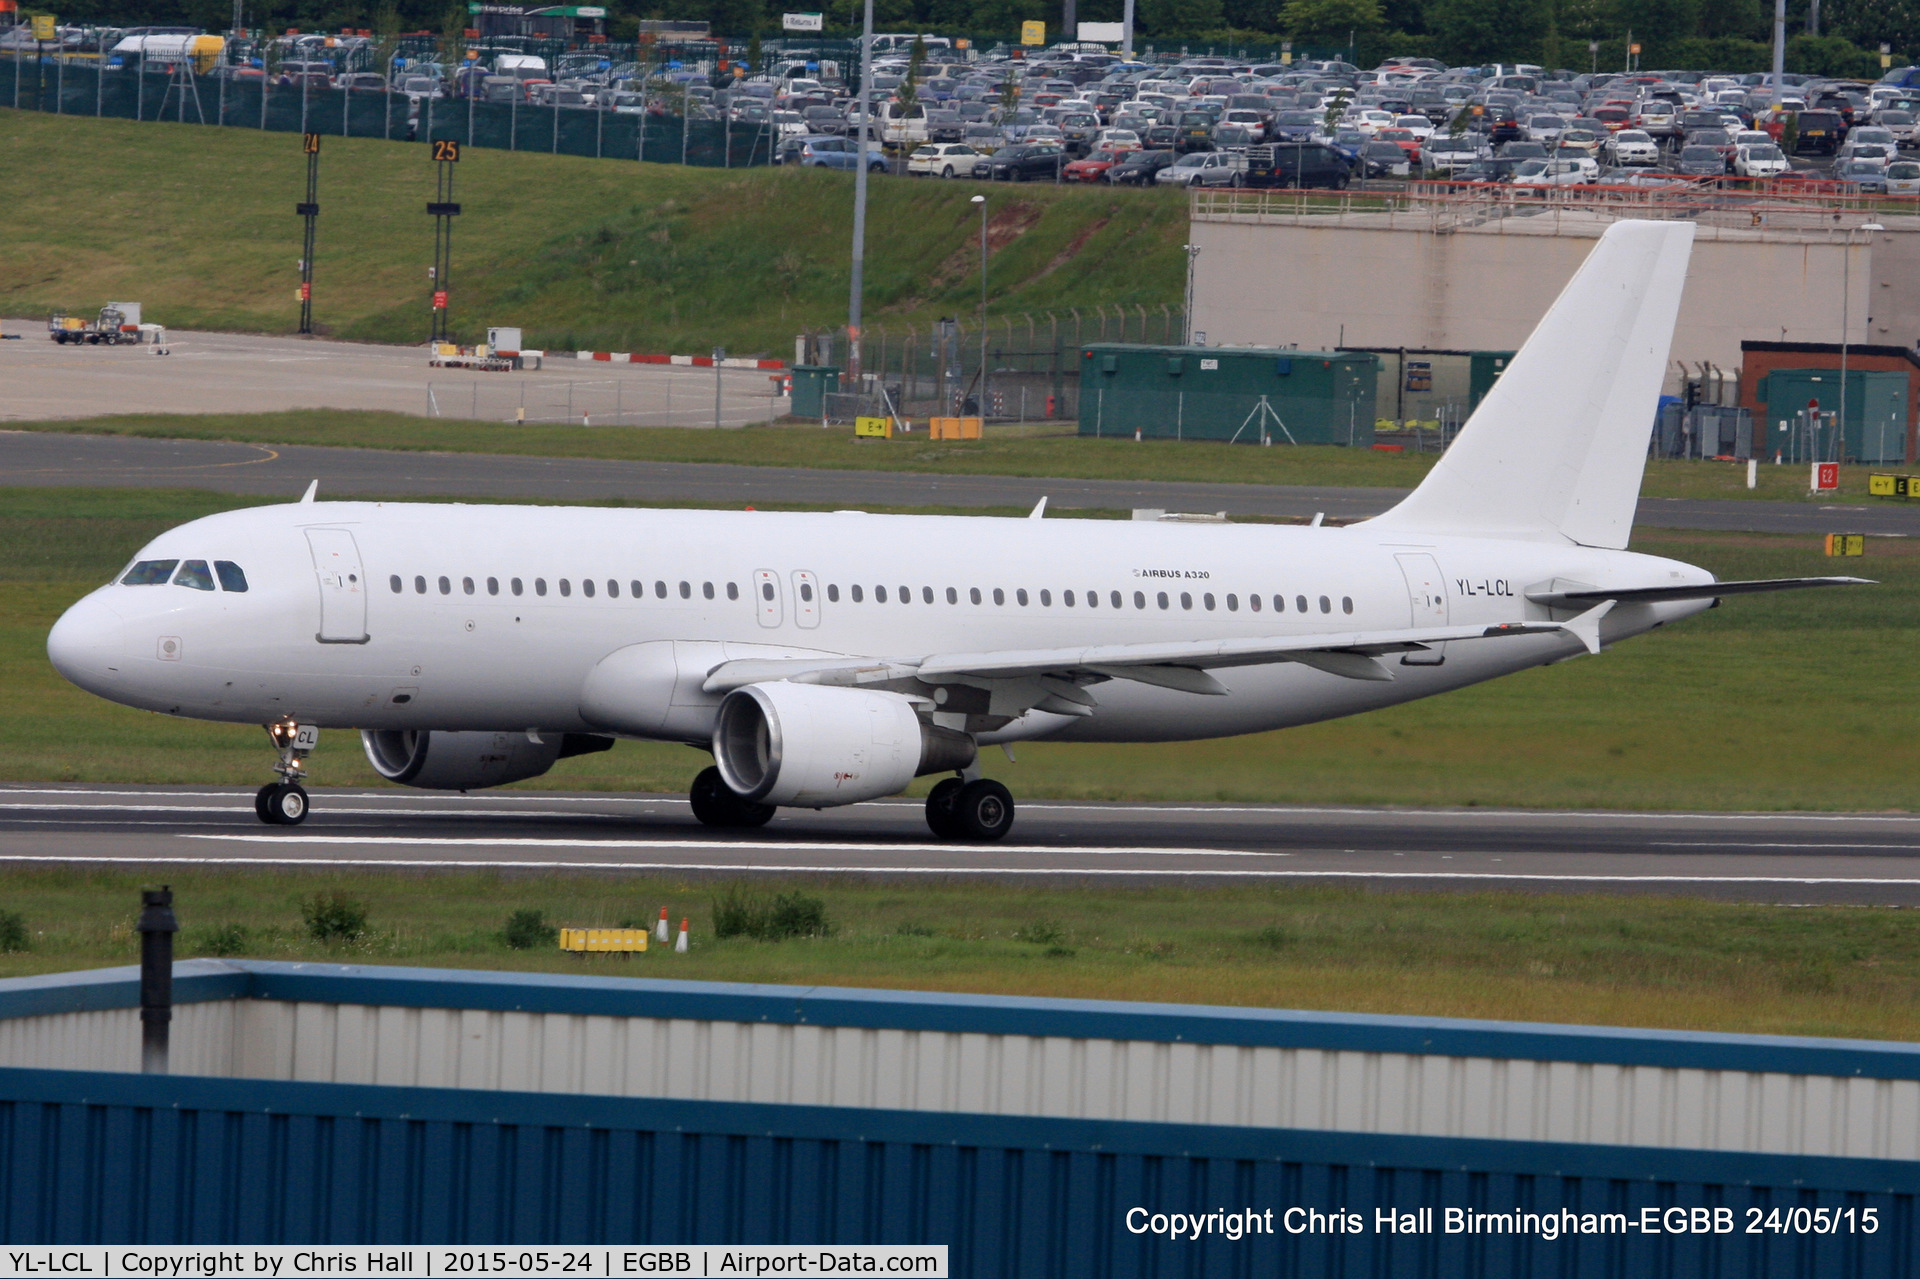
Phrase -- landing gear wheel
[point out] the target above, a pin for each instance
(942, 802)
(281, 804)
(715, 804)
(984, 810)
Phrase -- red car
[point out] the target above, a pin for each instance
(1092, 168)
(1405, 139)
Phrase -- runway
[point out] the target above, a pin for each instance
(39, 459)
(1801, 858)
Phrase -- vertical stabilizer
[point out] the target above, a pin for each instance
(1557, 448)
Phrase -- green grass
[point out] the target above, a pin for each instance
(1643, 961)
(1045, 450)
(1791, 701)
(198, 224)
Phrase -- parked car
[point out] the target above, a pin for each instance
(1384, 160)
(1700, 162)
(1117, 140)
(1296, 165)
(943, 160)
(1205, 169)
(1091, 167)
(1903, 178)
(1444, 154)
(1631, 147)
(1760, 160)
(1820, 132)
(1022, 162)
(826, 152)
(1138, 167)
(1861, 175)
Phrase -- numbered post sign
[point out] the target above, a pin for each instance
(446, 151)
(310, 143)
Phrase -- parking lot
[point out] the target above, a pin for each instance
(247, 373)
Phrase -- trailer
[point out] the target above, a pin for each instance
(113, 327)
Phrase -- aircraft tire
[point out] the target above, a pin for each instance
(984, 810)
(282, 804)
(716, 805)
(942, 800)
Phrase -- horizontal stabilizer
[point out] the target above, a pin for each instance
(1702, 591)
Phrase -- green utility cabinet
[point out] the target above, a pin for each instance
(1875, 430)
(1239, 394)
(811, 382)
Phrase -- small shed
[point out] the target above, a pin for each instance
(1235, 394)
(1875, 430)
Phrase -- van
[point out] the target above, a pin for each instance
(1293, 165)
(902, 125)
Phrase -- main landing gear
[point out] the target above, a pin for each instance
(981, 809)
(715, 804)
(284, 803)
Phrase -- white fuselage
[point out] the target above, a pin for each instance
(455, 647)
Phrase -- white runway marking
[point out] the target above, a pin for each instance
(702, 845)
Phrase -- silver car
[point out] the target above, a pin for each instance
(1205, 169)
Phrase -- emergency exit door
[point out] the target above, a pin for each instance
(343, 586)
(1427, 601)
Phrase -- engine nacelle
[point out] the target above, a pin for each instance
(813, 746)
(437, 760)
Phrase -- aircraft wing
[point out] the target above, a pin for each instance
(1180, 664)
(1587, 597)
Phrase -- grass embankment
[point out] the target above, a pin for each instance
(197, 223)
(1790, 701)
(1642, 961)
(1046, 450)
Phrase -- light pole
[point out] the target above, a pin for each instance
(1193, 252)
(864, 116)
(1846, 323)
(980, 202)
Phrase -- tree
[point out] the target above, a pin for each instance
(1329, 21)
(909, 91)
(1470, 31)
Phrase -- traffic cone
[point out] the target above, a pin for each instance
(680, 945)
(660, 929)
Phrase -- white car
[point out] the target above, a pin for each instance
(1581, 163)
(1878, 154)
(1545, 128)
(1874, 133)
(1116, 140)
(1371, 122)
(786, 124)
(1418, 125)
(1903, 178)
(1897, 121)
(1631, 147)
(1254, 122)
(943, 160)
(1760, 160)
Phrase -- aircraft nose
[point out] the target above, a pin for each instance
(85, 644)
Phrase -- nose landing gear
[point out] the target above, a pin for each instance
(284, 803)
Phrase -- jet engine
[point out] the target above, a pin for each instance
(814, 746)
(436, 760)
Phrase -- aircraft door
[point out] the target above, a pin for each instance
(766, 596)
(806, 600)
(1427, 596)
(343, 586)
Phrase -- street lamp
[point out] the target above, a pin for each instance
(1193, 252)
(1846, 324)
(980, 202)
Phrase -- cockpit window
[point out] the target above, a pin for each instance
(231, 576)
(150, 572)
(194, 573)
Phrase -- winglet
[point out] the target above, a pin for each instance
(306, 498)
(1039, 509)
(1586, 627)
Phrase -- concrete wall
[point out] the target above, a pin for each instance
(1281, 281)
(1399, 1093)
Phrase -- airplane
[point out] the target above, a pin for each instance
(830, 658)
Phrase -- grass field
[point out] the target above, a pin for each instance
(1642, 961)
(197, 223)
(1049, 449)
(1792, 701)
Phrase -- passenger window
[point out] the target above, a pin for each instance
(766, 590)
(906, 595)
(1139, 599)
(638, 587)
(466, 585)
(566, 588)
(1066, 597)
(686, 590)
(613, 589)
(1207, 599)
(973, 593)
(926, 595)
(1186, 600)
(1300, 603)
(419, 585)
(150, 573)
(586, 587)
(539, 586)
(880, 594)
(1346, 603)
(833, 592)
(733, 591)
(1046, 599)
(806, 593)
(1253, 602)
(1233, 603)
(706, 589)
(194, 573)
(394, 582)
(660, 590)
(1326, 605)
(446, 587)
(1020, 597)
(493, 586)
(858, 594)
(1161, 599)
(516, 586)
(234, 578)
(953, 596)
(999, 596)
